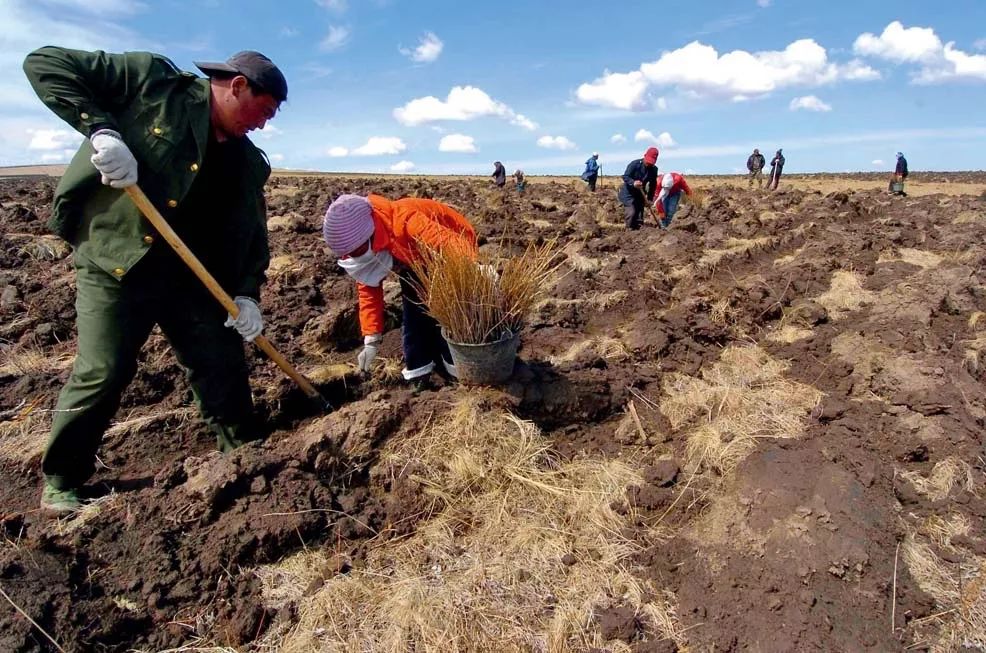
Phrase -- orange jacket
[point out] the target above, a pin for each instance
(398, 227)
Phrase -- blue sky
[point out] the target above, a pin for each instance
(449, 87)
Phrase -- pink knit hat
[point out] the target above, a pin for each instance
(348, 223)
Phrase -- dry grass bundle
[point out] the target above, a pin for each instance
(519, 551)
(743, 398)
(788, 333)
(605, 347)
(945, 475)
(845, 294)
(473, 305)
(23, 437)
(977, 345)
(33, 362)
(959, 589)
(918, 257)
(697, 198)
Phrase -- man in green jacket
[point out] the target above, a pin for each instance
(184, 138)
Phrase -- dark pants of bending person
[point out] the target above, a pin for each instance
(424, 346)
(115, 318)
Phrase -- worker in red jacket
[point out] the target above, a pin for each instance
(673, 184)
(373, 236)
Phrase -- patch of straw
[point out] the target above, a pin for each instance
(580, 262)
(945, 475)
(845, 294)
(789, 258)
(23, 437)
(605, 347)
(959, 590)
(33, 362)
(921, 258)
(484, 572)
(741, 399)
(789, 333)
(735, 247)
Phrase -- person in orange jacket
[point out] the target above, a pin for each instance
(373, 236)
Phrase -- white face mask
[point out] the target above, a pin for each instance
(369, 268)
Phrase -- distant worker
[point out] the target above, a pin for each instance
(754, 164)
(520, 180)
(900, 174)
(776, 168)
(673, 184)
(638, 188)
(373, 236)
(591, 173)
(499, 174)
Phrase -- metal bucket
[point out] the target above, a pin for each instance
(489, 363)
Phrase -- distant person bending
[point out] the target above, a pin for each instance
(638, 188)
(520, 180)
(591, 173)
(499, 174)
(776, 168)
(754, 165)
(673, 184)
(900, 174)
(373, 236)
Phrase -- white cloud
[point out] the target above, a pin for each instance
(617, 138)
(61, 156)
(98, 7)
(337, 37)
(809, 103)
(269, 131)
(763, 3)
(555, 143)
(277, 158)
(617, 90)
(53, 139)
(920, 45)
(427, 51)
(897, 43)
(980, 44)
(955, 65)
(337, 151)
(378, 145)
(699, 71)
(663, 139)
(402, 166)
(334, 5)
(877, 163)
(457, 143)
(462, 103)
(288, 32)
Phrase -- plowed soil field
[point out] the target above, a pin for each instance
(760, 430)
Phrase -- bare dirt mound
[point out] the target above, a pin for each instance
(793, 385)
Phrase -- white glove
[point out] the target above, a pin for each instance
(249, 323)
(371, 344)
(113, 159)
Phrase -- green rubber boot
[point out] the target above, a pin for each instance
(60, 502)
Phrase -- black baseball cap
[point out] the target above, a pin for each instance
(260, 70)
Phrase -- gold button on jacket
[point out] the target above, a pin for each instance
(172, 203)
(148, 239)
(118, 272)
(194, 167)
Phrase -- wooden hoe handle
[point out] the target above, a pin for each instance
(160, 224)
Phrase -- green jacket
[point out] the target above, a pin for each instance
(163, 115)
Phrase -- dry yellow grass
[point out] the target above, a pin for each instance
(845, 294)
(789, 258)
(735, 247)
(921, 258)
(958, 588)
(579, 262)
(740, 400)
(44, 247)
(33, 362)
(484, 571)
(23, 437)
(944, 476)
(788, 333)
(605, 347)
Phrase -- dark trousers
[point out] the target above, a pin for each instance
(633, 213)
(422, 337)
(114, 320)
(591, 179)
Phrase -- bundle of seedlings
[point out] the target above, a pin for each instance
(476, 305)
